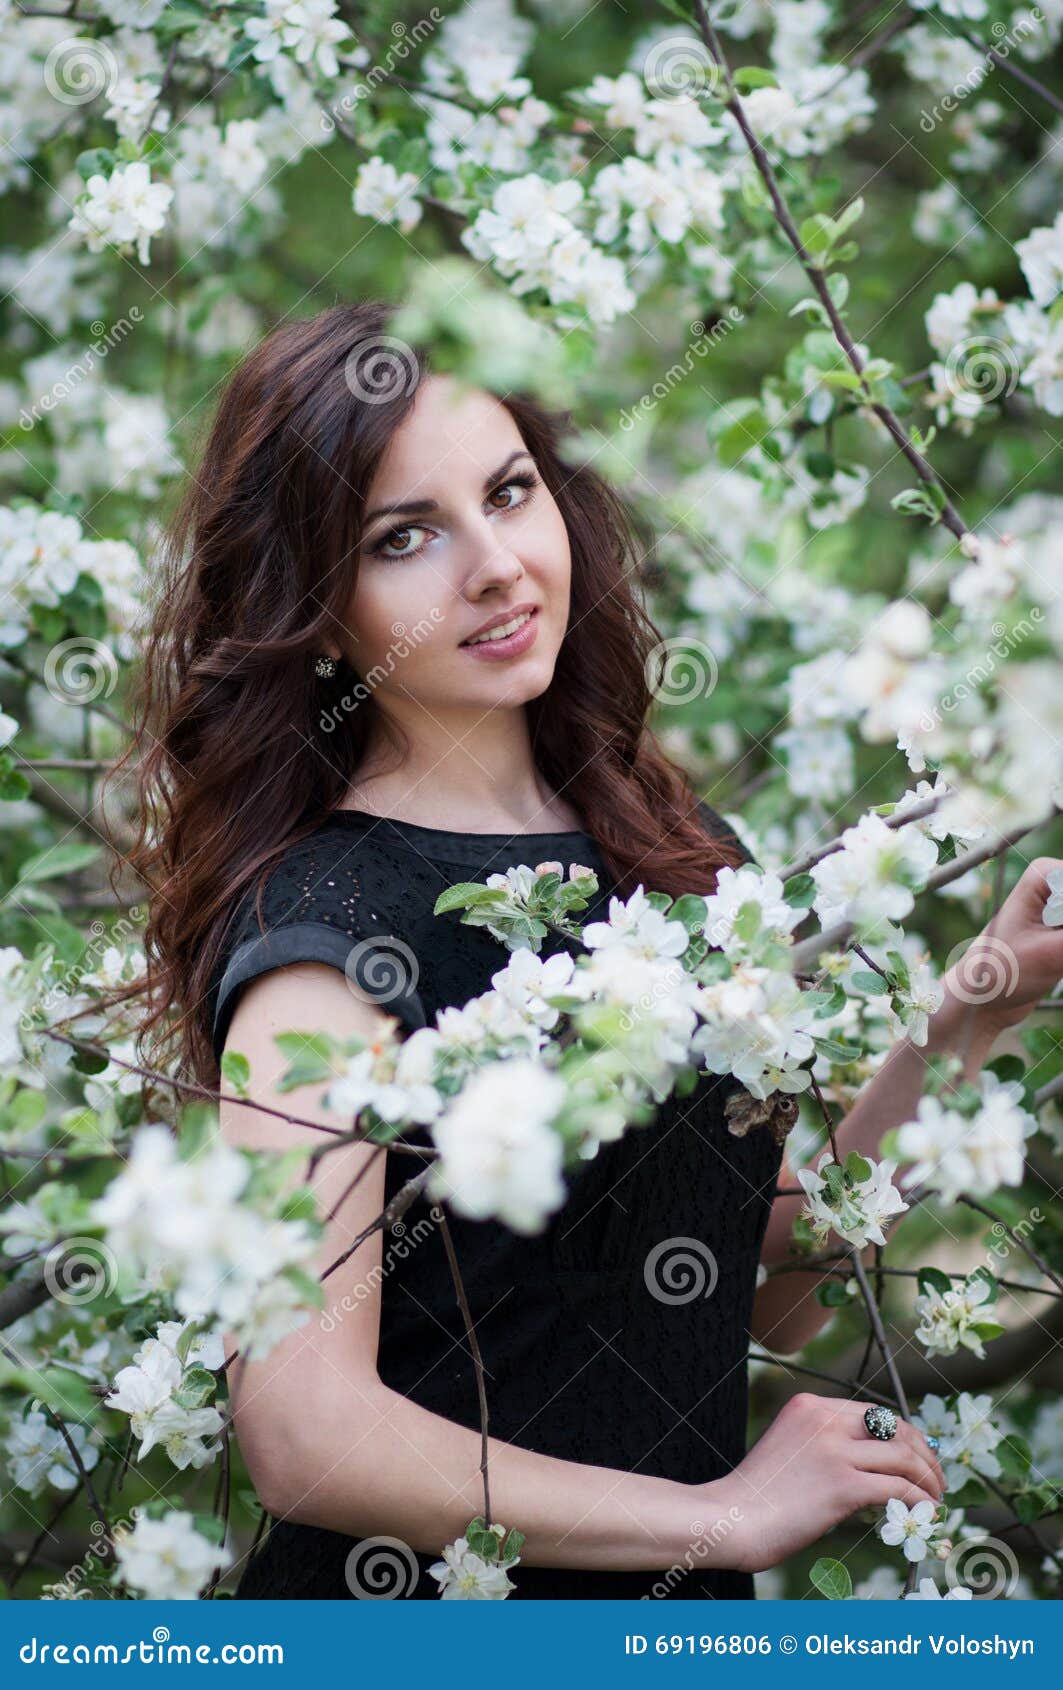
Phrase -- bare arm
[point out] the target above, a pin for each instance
(326, 1442)
(786, 1313)
(982, 1000)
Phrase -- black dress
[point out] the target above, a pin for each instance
(583, 1360)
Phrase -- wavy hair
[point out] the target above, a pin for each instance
(257, 567)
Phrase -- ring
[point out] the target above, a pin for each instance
(935, 1443)
(880, 1421)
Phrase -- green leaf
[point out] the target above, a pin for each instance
(848, 217)
(748, 77)
(817, 234)
(742, 437)
(747, 922)
(461, 896)
(832, 1578)
(14, 785)
(690, 910)
(832, 1293)
(932, 1279)
(971, 1494)
(857, 1168)
(98, 161)
(196, 1388)
(236, 1069)
(1013, 1453)
(867, 981)
(58, 859)
(799, 891)
(1008, 1068)
(835, 1051)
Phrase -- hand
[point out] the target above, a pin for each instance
(815, 1465)
(1014, 962)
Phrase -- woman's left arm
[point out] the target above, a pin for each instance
(786, 1312)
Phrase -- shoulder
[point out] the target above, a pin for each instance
(717, 828)
(329, 898)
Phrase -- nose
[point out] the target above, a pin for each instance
(491, 565)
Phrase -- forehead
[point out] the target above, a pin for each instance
(451, 432)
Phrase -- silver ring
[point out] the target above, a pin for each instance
(880, 1421)
(935, 1443)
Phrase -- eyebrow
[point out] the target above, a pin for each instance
(422, 507)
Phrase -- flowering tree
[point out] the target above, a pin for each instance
(816, 246)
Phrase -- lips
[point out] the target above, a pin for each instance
(505, 635)
(500, 627)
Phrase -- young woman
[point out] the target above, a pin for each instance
(472, 593)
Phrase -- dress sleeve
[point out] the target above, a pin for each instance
(306, 918)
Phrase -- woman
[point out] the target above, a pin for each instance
(398, 648)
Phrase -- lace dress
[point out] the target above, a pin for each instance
(594, 1352)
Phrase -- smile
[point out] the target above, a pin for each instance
(505, 639)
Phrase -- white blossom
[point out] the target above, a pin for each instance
(955, 1153)
(948, 1319)
(381, 192)
(913, 1529)
(859, 1211)
(37, 1454)
(737, 889)
(168, 1559)
(870, 879)
(500, 1156)
(465, 1577)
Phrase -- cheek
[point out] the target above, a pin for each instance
(402, 606)
(550, 548)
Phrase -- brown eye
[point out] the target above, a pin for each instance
(395, 544)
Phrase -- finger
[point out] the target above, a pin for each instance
(922, 1449)
(897, 1458)
(928, 1469)
(876, 1489)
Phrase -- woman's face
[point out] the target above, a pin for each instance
(460, 536)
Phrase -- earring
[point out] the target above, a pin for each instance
(325, 667)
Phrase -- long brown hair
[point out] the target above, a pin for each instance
(257, 568)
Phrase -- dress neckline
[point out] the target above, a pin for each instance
(455, 846)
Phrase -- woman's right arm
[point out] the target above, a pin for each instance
(328, 1444)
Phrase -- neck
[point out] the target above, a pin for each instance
(463, 771)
